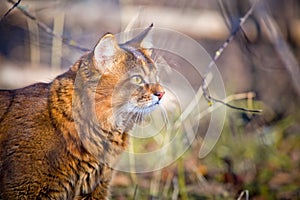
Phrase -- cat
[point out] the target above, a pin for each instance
(59, 140)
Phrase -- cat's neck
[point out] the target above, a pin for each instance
(72, 110)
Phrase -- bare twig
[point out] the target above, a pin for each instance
(218, 53)
(224, 13)
(281, 46)
(228, 99)
(47, 29)
(11, 9)
(135, 192)
(242, 194)
(210, 99)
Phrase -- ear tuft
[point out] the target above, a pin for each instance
(141, 40)
(105, 51)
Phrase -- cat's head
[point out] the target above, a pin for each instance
(129, 86)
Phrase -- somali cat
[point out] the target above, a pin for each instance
(59, 140)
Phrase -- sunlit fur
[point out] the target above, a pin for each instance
(60, 140)
(129, 101)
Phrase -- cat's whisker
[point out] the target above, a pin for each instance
(139, 117)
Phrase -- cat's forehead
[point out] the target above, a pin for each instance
(137, 53)
(143, 62)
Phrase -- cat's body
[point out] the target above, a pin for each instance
(60, 140)
(33, 146)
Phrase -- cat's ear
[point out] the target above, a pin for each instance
(143, 39)
(105, 51)
(147, 43)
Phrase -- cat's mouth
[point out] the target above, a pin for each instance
(149, 106)
(134, 112)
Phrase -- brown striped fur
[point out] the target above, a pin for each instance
(60, 140)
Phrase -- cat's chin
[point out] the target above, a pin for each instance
(150, 108)
(145, 110)
(128, 115)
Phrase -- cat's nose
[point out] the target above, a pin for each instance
(159, 94)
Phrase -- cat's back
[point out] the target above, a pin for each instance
(23, 114)
(25, 135)
(22, 104)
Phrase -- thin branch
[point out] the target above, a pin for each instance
(244, 193)
(11, 9)
(48, 30)
(231, 98)
(135, 192)
(218, 53)
(281, 46)
(232, 106)
(224, 13)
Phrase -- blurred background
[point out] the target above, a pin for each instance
(257, 154)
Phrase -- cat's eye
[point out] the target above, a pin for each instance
(137, 79)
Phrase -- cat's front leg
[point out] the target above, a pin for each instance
(102, 190)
